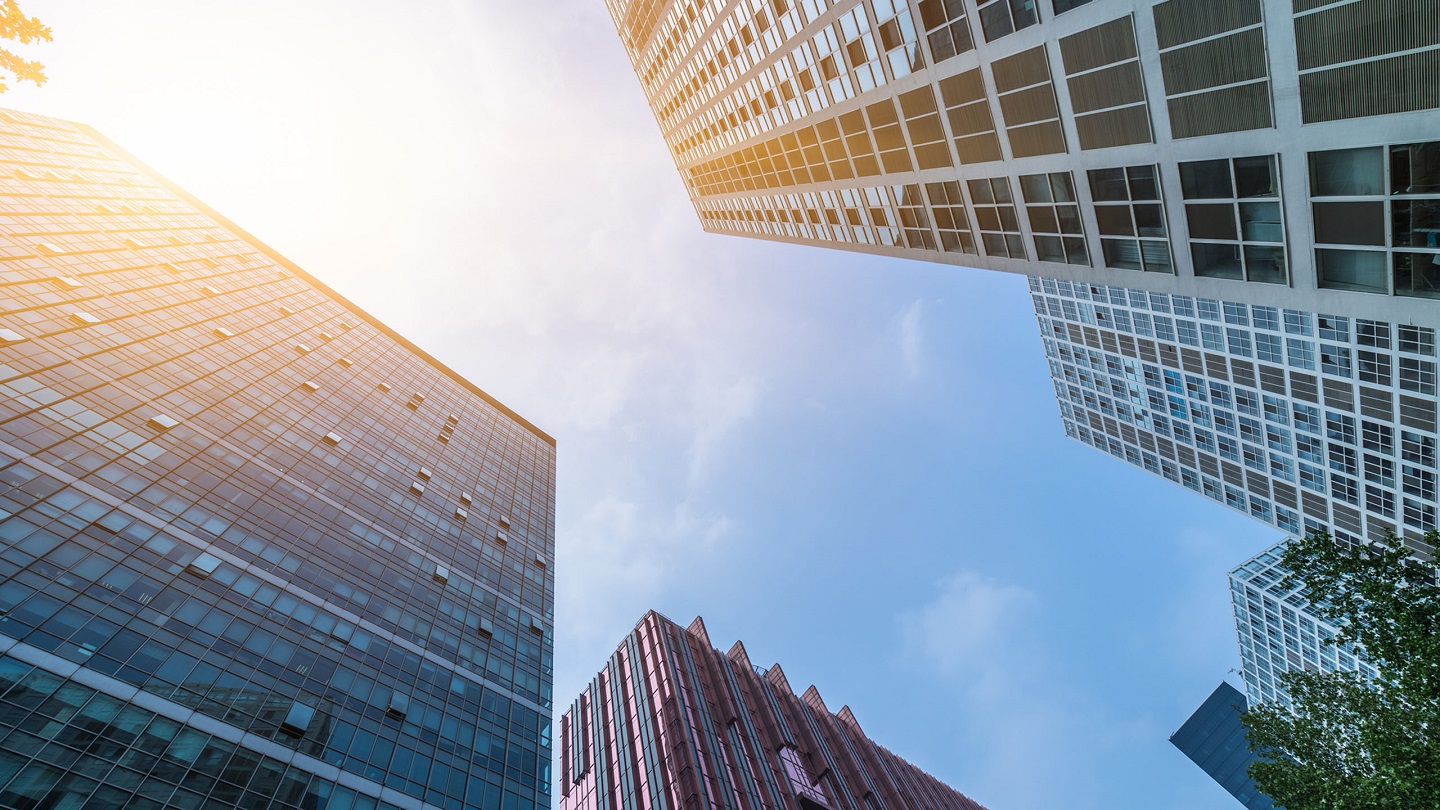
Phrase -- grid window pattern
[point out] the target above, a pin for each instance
(947, 28)
(1279, 631)
(996, 218)
(1342, 56)
(1130, 215)
(95, 750)
(1237, 228)
(1000, 18)
(1027, 103)
(951, 221)
(1054, 214)
(1264, 410)
(194, 507)
(898, 39)
(967, 108)
(1214, 64)
(1377, 218)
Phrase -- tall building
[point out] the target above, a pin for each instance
(1259, 151)
(1214, 739)
(1301, 420)
(671, 722)
(256, 549)
(1279, 631)
(1226, 204)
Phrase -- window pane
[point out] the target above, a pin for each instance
(1001, 186)
(1149, 219)
(1416, 223)
(1062, 187)
(1260, 222)
(1042, 219)
(1417, 274)
(1108, 185)
(1265, 264)
(980, 191)
(995, 19)
(1049, 249)
(1024, 12)
(1143, 183)
(1008, 221)
(1347, 172)
(1121, 253)
(1360, 270)
(1415, 169)
(1114, 220)
(1069, 217)
(1217, 261)
(1157, 257)
(1256, 177)
(1035, 187)
(1211, 221)
(1206, 180)
(1350, 223)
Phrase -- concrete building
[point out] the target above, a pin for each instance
(256, 549)
(1229, 149)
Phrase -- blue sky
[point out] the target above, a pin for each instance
(855, 464)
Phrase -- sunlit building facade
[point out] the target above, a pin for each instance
(256, 549)
(1226, 204)
(671, 723)
(1253, 150)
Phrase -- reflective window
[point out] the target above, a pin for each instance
(1233, 210)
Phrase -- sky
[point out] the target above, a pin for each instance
(854, 464)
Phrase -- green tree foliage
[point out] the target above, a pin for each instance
(1349, 741)
(15, 25)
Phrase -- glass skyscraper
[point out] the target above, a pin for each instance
(1214, 739)
(256, 549)
(671, 722)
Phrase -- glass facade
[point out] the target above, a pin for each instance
(671, 722)
(1214, 739)
(256, 549)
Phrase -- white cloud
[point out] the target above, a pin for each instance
(717, 411)
(978, 640)
(972, 629)
(620, 556)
